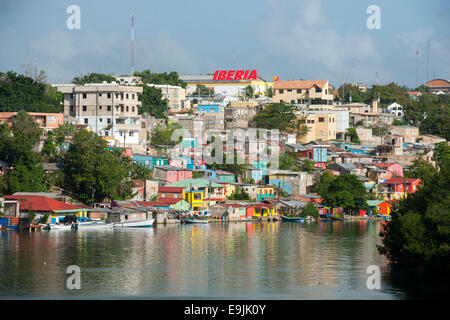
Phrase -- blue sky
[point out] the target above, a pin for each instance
(291, 39)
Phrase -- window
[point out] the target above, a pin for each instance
(84, 108)
(121, 108)
(321, 119)
(108, 95)
(108, 108)
(121, 133)
(84, 95)
(131, 133)
(85, 120)
(127, 108)
(299, 91)
(106, 133)
(292, 101)
(108, 120)
(117, 96)
(132, 96)
(100, 107)
(101, 120)
(99, 94)
(281, 91)
(132, 108)
(126, 96)
(71, 96)
(289, 90)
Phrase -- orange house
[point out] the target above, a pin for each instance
(380, 207)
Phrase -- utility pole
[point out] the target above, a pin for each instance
(417, 69)
(132, 44)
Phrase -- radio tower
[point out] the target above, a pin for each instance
(417, 69)
(132, 44)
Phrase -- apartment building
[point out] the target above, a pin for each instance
(45, 121)
(175, 96)
(238, 117)
(307, 92)
(109, 109)
(321, 127)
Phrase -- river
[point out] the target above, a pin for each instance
(270, 260)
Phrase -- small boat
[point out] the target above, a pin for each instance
(195, 220)
(58, 226)
(147, 223)
(88, 225)
(292, 219)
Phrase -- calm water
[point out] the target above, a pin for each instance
(326, 260)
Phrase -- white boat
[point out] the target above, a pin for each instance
(58, 226)
(94, 225)
(135, 223)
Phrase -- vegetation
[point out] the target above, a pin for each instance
(249, 92)
(171, 78)
(307, 166)
(417, 239)
(287, 162)
(93, 78)
(353, 135)
(163, 135)
(19, 92)
(345, 191)
(201, 90)
(239, 194)
(310, 210)
(153, 102)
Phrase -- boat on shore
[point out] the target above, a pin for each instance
(146, 223)
(88, 225)
(292, 219)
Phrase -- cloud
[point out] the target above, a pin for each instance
(300, 31)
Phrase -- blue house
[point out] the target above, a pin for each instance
(208, 108)
(149, 161)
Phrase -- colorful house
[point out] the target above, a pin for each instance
(225, 176)
(264, 209)
(394, 168)
(54, 209)
(170, 192)
(194, 198)
(398, 188)
(381, 207)
(171, 174)
(263, 192)
(149, 161)
(212, 192)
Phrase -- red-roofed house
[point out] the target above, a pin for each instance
(42, 205)
(394, 168)
(170, 192)
(398, 188)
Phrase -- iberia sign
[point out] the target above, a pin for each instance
(235, 75)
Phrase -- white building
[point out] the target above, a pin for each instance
(108, 109)
(396, 109)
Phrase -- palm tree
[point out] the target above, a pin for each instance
(249, 92)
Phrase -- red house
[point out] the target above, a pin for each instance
(397, 188)
(170, 192)
(394, 168)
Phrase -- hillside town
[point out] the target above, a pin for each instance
(228, 146)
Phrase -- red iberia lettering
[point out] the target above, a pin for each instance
(215, 75)
(238, 75)
(222, 75)
(252, 75)
(230, 74)
(245, 75)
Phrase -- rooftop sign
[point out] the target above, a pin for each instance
(235, 75)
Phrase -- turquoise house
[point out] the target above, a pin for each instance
(149, 161)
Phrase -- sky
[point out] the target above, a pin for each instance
(291, 39)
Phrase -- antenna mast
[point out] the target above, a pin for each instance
(132, 44)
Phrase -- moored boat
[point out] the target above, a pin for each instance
(60, 226)
(146, 223)
(195, 220)
(88, 225)
(292, 219)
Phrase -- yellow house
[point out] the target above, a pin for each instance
(194, 197)
(264, 210)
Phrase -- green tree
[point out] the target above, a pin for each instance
(93, 78)
(24, 124)
(249, 92)
(171, 78)
(307, 166)
(310, 210)
(287, 162)
(153, 102)
(348, 192)
(26, 177)
(275, 116)
(353, 135)
(201, 90)
(91, 169)
(19, 92)
(421, 169)
(417, 239)
(239, 194)
(163, 135)
(326, 179)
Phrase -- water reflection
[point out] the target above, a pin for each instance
(326, 260)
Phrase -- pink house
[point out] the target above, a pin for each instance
(394, 168)
(171, 174)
